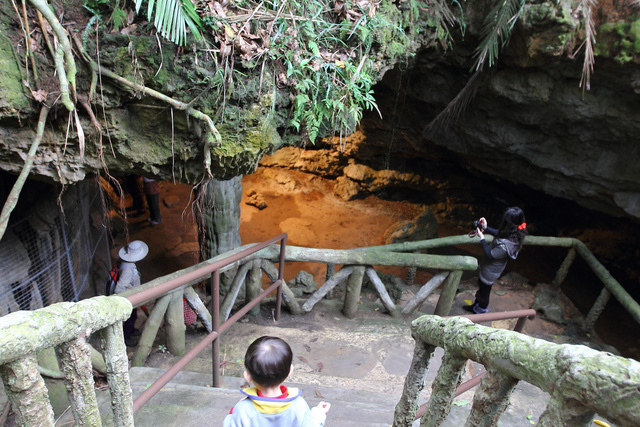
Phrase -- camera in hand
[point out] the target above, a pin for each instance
(476, 224)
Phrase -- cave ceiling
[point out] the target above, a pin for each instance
(215, 107)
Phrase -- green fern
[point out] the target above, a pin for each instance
(172, 17)
(497, 30)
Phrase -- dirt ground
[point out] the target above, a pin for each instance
(305, 207)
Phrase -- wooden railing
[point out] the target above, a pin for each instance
(65, 326)
(611, 286)
(580, 380)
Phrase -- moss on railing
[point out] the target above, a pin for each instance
(25, 332)
(65, 326)
(599, 382)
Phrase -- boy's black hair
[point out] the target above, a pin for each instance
(268, 361)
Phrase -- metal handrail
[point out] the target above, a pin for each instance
(213, 269)
(521, 315)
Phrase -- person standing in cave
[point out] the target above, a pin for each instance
(132, 186)
(129, 277)
(507, 242)
(152, 194)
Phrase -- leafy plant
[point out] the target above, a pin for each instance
(496, 31)
(172, 17)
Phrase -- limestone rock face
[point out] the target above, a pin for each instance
(529, 121)
(422, 227)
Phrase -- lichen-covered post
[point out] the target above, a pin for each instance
(352, 294)
(324, 289)
(27, 392)
(564, 267)
(174, 322)
(424, 292)
(382, 291)
(150, 331)
(254, 285)
(234, 289)
(414, 382)
(75, 360)
(597, 309)
(287, 295)
(448, 293)
(491, 399)
(118, 375)
(331, 270)
(443, 389)
(561, 411)
(198, 306)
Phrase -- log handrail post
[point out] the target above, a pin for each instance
(448, 294)
(174, 323)
(27, 392)
(414, 383)
(492, 398)
(443, 389)
(596, 309)
(563, 270)
(75, 359)
(352, 293)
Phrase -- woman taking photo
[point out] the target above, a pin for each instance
(506, 245)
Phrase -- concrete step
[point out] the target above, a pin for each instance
(358, 365)
(187, 401)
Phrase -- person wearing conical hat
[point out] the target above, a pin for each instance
(129, 277)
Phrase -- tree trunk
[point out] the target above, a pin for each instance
(220, 220)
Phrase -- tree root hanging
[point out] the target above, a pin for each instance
(214, 137)
(68, 75)
(12, 199)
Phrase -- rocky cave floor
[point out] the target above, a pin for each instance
(305, 207)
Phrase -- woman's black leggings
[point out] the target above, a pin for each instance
(483, 294)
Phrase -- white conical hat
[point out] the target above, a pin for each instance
(134, 251)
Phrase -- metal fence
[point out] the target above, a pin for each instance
(47, 256)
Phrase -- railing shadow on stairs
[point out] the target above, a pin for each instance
(66, 326)
(581, 381)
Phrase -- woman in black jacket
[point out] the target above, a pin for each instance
(506, 245)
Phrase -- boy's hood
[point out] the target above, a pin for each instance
(270, 405)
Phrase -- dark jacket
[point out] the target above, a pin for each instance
(497, 253)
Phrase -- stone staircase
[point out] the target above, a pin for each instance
(358, 365)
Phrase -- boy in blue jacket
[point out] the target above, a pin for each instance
(268, 363)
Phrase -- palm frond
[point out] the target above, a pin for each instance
(441, 9)
(587, 7)
(456, 106)
(497, 30)
(172, 17)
